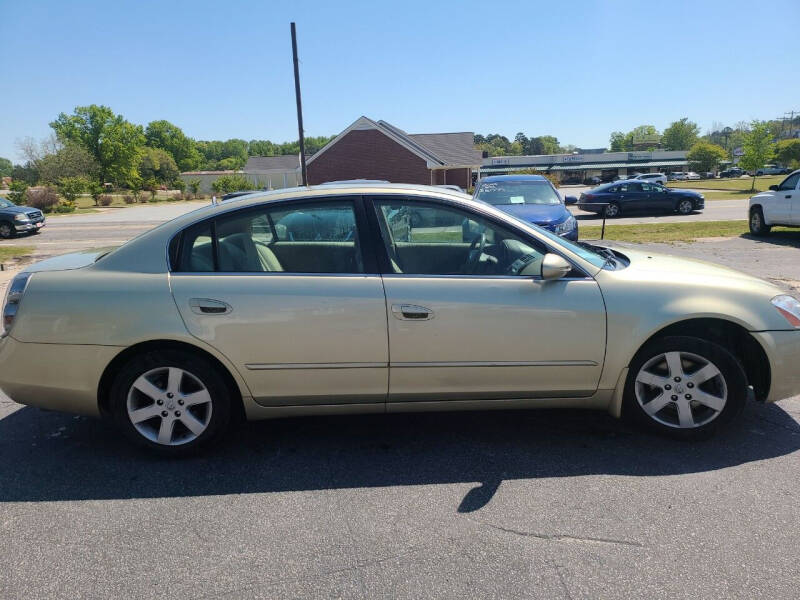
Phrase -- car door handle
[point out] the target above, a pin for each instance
(411, 312)
(788, 195)
(207, 306)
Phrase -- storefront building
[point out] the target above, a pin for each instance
(581, 168)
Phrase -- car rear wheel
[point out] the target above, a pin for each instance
(613, 210)
(757, 225)
(6, 230)
(684, 387)
(685, 207)
(170, 401)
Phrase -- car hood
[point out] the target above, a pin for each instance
(15, 210)
(67, 262)
(536, 213)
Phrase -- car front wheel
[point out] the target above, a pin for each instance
(685, 207)
(6, 230)
(684, 386)
(170, 401)
(757, 225)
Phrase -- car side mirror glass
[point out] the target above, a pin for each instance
(554, 266)
(570, 200)
(774, 188)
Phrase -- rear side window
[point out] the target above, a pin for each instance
(291, 238)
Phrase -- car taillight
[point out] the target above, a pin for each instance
(13, 297)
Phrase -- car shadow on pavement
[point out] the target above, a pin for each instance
(776, 238)
(50, 456)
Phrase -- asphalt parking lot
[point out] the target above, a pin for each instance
(550, 504)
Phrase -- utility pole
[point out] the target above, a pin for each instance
(303, 171)
(791, 120)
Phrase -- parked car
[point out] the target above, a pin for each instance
(772, 170)
(659, 178)
(708, 175)
(733, 172)
(692, 176)
(594, 180)
(223, 319)
(455, 188)
(15, 220)
(676, 176)
(635, 196)
(779, 206)
(531, 198)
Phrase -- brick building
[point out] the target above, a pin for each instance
(370, 149)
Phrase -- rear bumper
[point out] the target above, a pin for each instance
(783, 352)
(54, 376)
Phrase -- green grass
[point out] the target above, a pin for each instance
(12, 252)
(762, 183)
(727, 195)
(674, 232)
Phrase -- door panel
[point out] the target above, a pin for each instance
(296, 339)
(505, 337)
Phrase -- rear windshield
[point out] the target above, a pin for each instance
(499, 193)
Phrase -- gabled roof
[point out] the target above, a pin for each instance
(436, 149)
(286, 162)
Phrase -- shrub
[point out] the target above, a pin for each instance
(105, 200)
(231, 183)
(179, 184)
(65, 206)
(128, 199)
(72, 187)
(44, 198)
(194, 186)
(96, 190)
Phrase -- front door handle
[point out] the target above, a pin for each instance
(207, 306)
(788, 196)
(411, 312)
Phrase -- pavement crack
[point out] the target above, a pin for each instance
(562, 537)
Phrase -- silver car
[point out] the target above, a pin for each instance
(332, 299)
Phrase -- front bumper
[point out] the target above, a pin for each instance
(783, 352)
(28, 227)
(54, 376)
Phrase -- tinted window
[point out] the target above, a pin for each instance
(467, 245)
(293, 238)
(790, 182)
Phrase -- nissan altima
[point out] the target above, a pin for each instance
(332, 299)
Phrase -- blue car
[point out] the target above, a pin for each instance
(531, 198)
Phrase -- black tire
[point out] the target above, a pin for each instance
(6, 230)
(685, 206)
(730, 371)
(758, 227)
(198, 367)
(617, 210)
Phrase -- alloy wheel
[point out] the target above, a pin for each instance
(685, 207)
(5, 230)
(755, 221)
(169, 406)
(612, 210)
(681, 390)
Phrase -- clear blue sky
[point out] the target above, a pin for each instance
(577, 70)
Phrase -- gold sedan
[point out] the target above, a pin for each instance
(385, 298)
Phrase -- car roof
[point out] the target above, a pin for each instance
(520, 177)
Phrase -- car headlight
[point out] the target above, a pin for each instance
(566, 226)
(21, 217)
(789, 307)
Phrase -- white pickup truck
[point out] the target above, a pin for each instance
(779, 206)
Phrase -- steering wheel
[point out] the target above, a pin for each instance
(475, 252)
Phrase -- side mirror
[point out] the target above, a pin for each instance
(774, 188)
(570, 200)
(555, 266)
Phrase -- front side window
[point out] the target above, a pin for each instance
(499, 193)
(423, 239)
(291, 238)
(790, 182)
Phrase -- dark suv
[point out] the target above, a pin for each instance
(18, 219)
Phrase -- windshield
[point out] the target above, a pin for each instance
(5, 203)
(517, 192)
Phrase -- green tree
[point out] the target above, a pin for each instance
(704, 156)
(194, 186)
(680, 135)
(758, 148)
(169, 137)
(27, 173)
(17, 191)
(70, 161)
(113, 142)
(158, 164)
(620, 142)
(6, 167)
(231, 183)
(72, 187)
(787, 152)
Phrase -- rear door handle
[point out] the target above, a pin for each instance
(207, 306)
(411, 312)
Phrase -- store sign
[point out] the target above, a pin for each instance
(500, 161)
(640, 155)
(572, 158)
